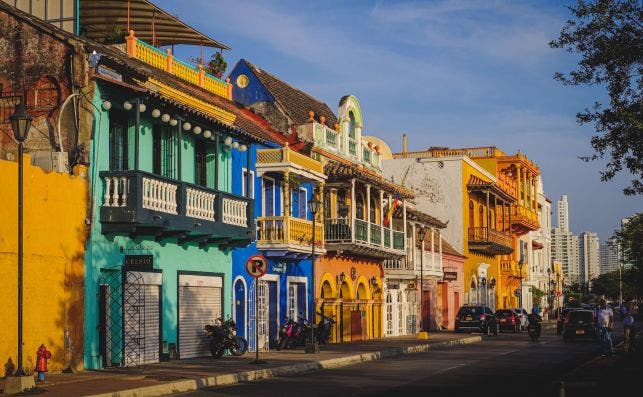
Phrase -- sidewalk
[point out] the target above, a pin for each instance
(186, 375)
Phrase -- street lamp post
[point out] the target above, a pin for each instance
(313, 346)
(20, 123)
(421, 234)
(520, 265)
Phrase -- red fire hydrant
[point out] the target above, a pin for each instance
(41, 362)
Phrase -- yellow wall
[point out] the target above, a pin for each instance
(54, 237)
(474, 259)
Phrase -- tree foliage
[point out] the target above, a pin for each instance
(630, 239)
(608, 37)
(216, 66)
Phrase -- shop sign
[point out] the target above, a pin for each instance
(450, 276)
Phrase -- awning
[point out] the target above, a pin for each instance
(151, 24)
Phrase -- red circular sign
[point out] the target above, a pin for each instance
(256, 266)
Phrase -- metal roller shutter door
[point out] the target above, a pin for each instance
(199, 305)
(152, 340)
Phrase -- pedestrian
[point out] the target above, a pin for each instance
(628, 326)
(605, 317)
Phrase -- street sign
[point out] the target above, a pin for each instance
(517, 292)
(256, 266)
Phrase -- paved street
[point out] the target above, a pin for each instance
(505, 365)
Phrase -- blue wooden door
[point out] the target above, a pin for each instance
(240, 307)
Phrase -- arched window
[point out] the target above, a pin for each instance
(471, 215)
(481, 217)
(352, 125)
(373, 214)
(359, 207)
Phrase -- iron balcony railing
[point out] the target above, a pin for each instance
(338, 230)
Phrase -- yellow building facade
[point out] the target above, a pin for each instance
(54, 237)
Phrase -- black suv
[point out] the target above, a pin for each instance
(478, 318)
(580, 323)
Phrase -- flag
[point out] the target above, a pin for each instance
(391, 208)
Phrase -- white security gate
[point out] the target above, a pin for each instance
(199, 304)
(141, 308)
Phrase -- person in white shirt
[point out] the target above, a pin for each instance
(605, 318)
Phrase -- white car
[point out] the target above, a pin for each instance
(522, 315)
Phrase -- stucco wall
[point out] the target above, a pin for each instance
(54, 236)
(438, 190)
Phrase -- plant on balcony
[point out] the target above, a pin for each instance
(216, 66)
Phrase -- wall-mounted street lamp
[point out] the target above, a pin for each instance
(20, 124)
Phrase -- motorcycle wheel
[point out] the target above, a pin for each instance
(239, 346)
(215, 349)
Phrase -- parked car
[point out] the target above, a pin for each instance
(477, 318)
(508, 320)
(560, 320)
(522, 316)
(579, 324)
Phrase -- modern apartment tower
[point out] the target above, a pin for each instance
(565, 246)
(589, 256)
(610, 256)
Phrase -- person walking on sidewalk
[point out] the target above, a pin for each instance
(628, 326)
(605, 327)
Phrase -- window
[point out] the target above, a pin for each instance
(471, 215)
(268, 198)
(200, 153)
(351, 125)
(299, 203)
(359, 207)
(118, 141)
(245, 182)
(481, 217)
(164, 146)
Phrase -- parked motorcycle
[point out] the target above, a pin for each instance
(287, 334)
(223, 336)
(324, 328)
(534, 327)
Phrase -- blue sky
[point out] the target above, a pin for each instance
(448, 73)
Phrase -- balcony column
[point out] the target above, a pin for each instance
(414, 244)
(390, 225)
(381, 218)
(488, 217)
(526, 188)
(432, 248)
(404, 220)
(368, 213)
(216, 161)
(519, 183)
(179, 139)
(352, 217)
(285, 211)
(440, 251)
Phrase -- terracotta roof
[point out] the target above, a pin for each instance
(448, 249)
(294, 102)
(98, 19)
(340, 172)
(418, 216)
(477, 184)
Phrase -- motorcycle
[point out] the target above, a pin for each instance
(287, 334)
(534, 327)
(223, 336)
(324, 328)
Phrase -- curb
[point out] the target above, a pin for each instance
(248, 376)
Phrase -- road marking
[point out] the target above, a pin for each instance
(448, 369)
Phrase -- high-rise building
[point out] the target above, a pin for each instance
(610, 256)
(589, 256)
(563, 214)
(565, 245)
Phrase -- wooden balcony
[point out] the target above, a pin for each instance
(489, 242)
(287, 160)
(289, 237)
(139, 203)
(363, 238)
(523, 220)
